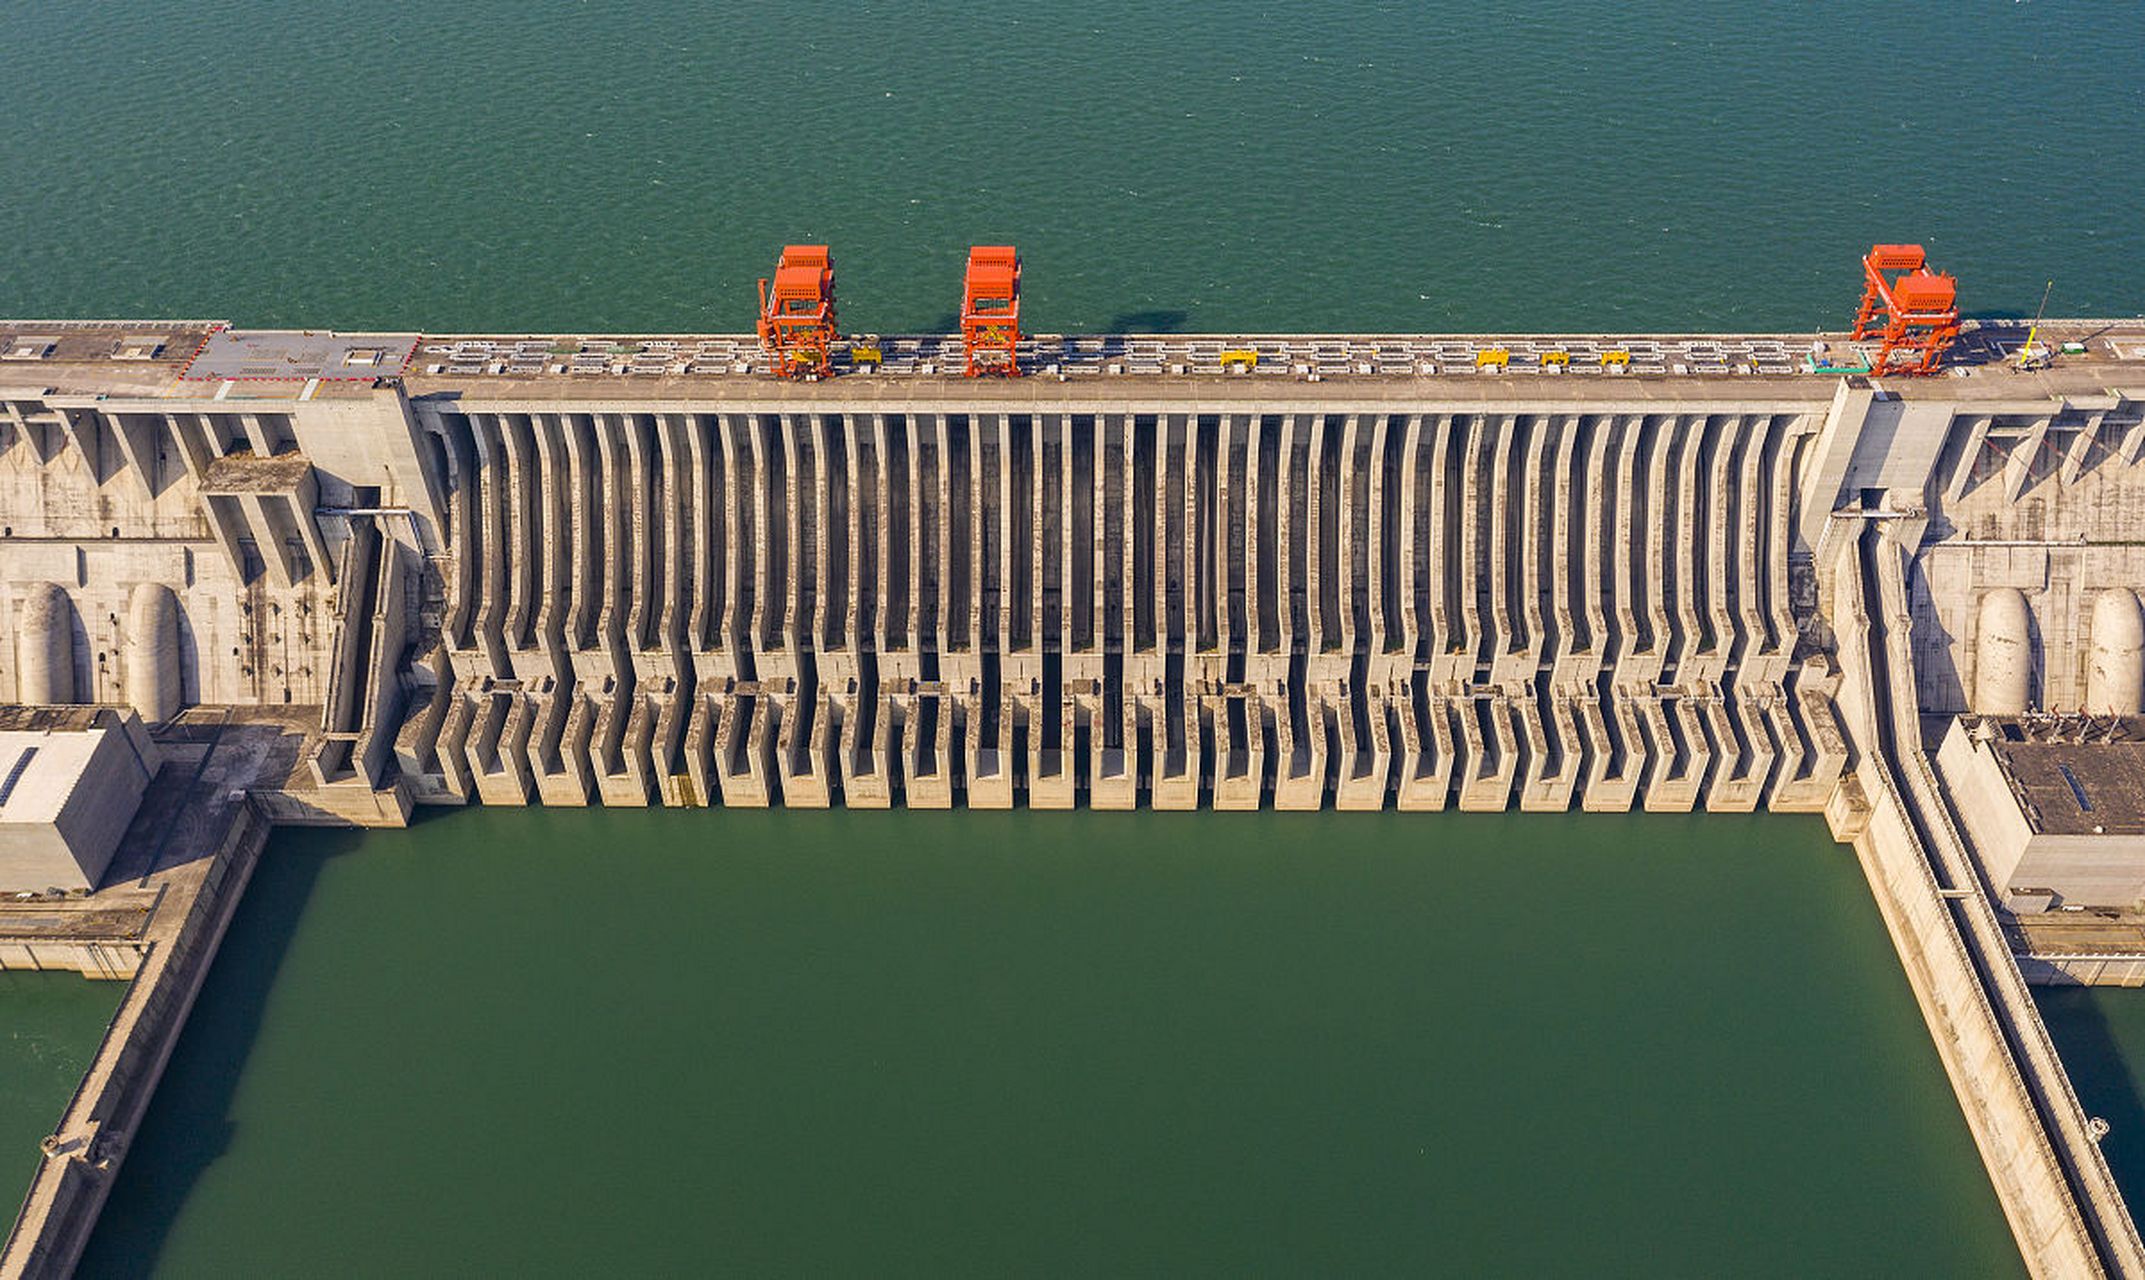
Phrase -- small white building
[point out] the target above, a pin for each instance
(71, 779)
(2055, 806)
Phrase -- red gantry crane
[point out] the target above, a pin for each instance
(1913, 309)
(797, 314)
(990, 311)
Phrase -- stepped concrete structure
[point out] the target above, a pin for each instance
(1408, 571)
(1669, 572)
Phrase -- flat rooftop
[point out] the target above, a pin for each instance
(283, 355)
(2074, 776)
(27, 343)
(39, 770)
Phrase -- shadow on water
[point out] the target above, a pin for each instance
(2104, 1060)
(1148, 322)
(188, 1127)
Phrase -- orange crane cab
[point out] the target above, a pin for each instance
(797, 314)
(1913, 310)
(990, 311)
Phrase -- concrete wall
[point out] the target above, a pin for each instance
(2083, 971)
(367, 442)
(2044, 496)
(104, 800)
(101, 960)
(775, 594)
(2054, 1185)
(1179, 606)
(1993, 819)
(103, 496)
(34, 858)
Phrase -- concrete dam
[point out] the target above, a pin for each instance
(1357, 589)
(1236, 605)
(1414, 572)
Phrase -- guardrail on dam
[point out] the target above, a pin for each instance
(1415, 572)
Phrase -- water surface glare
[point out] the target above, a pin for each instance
(807, 1043)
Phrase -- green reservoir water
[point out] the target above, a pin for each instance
(810, 1043)
(587, 1042)
(50, 1026)
(1356, 164)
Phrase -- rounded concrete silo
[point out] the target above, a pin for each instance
(152, 652)
(2003, 653)
(44, 646)
(2115, 670)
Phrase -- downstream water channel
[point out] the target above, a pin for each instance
(970, 1043)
